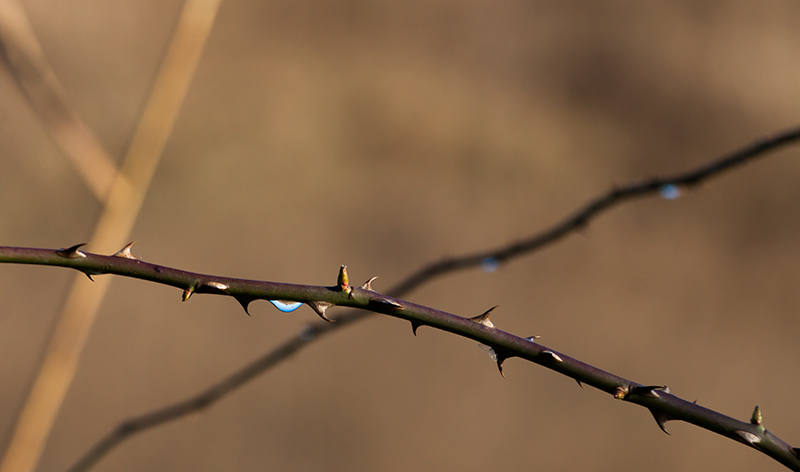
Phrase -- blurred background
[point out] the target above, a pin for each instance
(386, 135)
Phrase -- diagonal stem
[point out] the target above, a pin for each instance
(658, 399)
(502, 254)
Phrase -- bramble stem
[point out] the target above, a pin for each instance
(657, 399)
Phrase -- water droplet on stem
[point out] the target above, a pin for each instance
(284, 306)
(669, 192)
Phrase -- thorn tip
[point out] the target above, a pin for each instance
(126, 251)
(483, 318)
(71, 252)
(368, 284)
(320, 308)
(661, 418)
(553, 356)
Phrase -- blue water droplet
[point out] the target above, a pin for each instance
(669, 191)
(285, 307)
(490, 264)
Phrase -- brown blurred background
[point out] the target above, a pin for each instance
(384, 135)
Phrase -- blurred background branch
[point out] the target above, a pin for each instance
(24, 59)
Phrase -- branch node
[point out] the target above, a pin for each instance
(343, 281)
(621, 392)
(187, 293)
(72, 252)
(756, 419)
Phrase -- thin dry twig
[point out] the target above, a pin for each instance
(316, 331)
(121, 209)
(25, 59)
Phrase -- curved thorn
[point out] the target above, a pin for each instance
(483, 318)
(414, 327)
(500, 356)
(386, 301)
(368, 284)
(661, 418)
(649, 391)
(245, 302)
(126, 251)
(320, 308)
(71, 252)
(553, 356)
(88, 274)
(579, 383)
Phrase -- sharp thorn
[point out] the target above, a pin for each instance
(579, 383)
(216, 285)
(320, 308)
(500, 365)
(71, 252)
(532, 338)
(126, 251)
(553, 356)
(368, 284)
(749, 438)
(650, 390)
(245, 302)
(187, 293)
(756, 418)
(661, 418)
(386, 301)
(796, 452)
(483, 318)
(414, 327)
(89, 275)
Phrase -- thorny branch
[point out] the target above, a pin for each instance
(663, 405)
